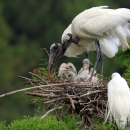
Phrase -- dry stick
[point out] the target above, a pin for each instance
(45, 50)
(38, 77)
(28, 78)
(49, 112)
(50, 101)
(20, 90)
(47, 90)
(71, 101)
(40, 95)
(97, 91)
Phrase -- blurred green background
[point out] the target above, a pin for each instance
(25, 27)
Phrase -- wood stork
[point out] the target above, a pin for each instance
(86, 64)
(83, 74)
(67, 76)
(67, 72)
(72, 68)
(96, 29)
(118, 100)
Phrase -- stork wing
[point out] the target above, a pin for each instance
(103, 22)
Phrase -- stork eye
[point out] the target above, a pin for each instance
(68, 40)
(55, 47)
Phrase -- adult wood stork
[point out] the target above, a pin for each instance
(118, 100)
(97, 28)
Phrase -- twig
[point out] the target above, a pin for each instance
(38, 77)
(97, 91)
(20, 90)
(50, 101)
(71, 101)
(41, 94)
(28, 79)
(45, 50)
(49, 112)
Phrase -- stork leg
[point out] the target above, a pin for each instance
(97, 57)
(102, 60)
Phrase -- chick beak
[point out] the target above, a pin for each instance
(85, 67)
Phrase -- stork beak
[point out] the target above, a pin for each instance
(56, 52)
(54, 57)
(51, 64)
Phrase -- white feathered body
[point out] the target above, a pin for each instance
(109, 26)
(67, 72)
(118, 100)
(81, 76)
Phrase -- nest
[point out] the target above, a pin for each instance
(86, 99)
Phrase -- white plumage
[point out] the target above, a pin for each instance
(67, 72)
(109, 26)
(84, 74)
(118, 100)
(84, 71)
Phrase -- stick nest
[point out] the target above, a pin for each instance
(86, 99)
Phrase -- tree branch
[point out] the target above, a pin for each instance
(49, 112)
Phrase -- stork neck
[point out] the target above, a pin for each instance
(65, 46)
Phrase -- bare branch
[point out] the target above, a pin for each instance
(71, 101)
(49, 112)
(35, 87)
(38, 77)
(45, 50)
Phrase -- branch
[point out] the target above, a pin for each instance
(49, 112)
(50, 101)
(88, 93)
(20, 90)
(41, 95)
(71, 101)
(38, 77)
(45, 50)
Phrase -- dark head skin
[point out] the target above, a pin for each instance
(57, 51)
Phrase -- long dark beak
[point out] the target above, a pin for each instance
(51, 63)
(53, 60)
(56, 54)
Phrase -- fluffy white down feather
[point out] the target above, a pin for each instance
(67, 72)
(109, 26)
(118, 100)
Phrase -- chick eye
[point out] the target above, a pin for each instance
(69, 75)
(70, 66)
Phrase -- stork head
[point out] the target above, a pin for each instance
(54, 56)
(68, 38)
(56, 52)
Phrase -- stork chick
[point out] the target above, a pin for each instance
(83, 73)
(67, 72)
(67, 76)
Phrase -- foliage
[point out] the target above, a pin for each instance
(48, 123)
(69, 122)
(125, 62)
